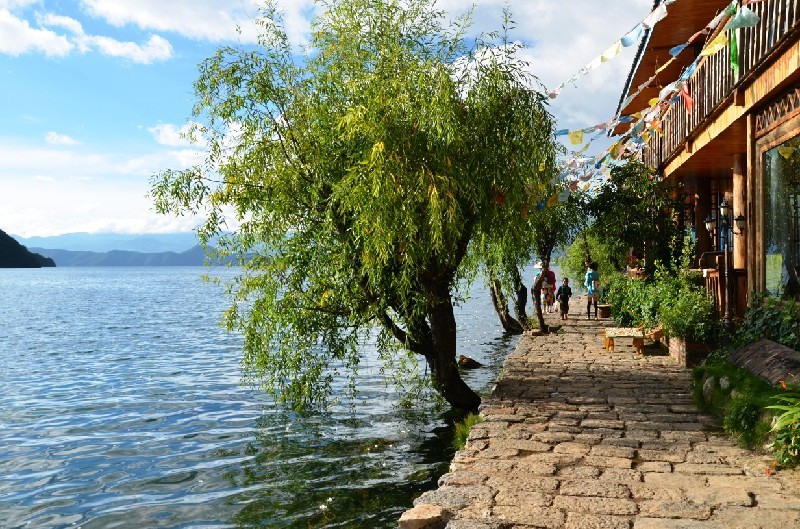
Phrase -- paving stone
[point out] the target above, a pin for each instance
(749, 518)
(530, 516)
(654, 466)
(692, 468)
(425, 517)
(590, 521)
(461, 479)
(612, 451)
(518, 498)
(615, 506)
(674, 509)
(662, 455)
(594, 488)
(608, 462)
(579, 472)
(572, 448)
(522, 481)
(661, 523)
(715, 497)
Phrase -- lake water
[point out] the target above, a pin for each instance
(121, 405)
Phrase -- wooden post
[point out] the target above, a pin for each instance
(702, 208)
(739, 208)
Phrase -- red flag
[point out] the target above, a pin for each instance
(688, 102)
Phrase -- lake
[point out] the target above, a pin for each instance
(121, 405)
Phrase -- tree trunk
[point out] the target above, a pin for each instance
(441, 358)
(537, 301)
(521, 299)
(501, 307)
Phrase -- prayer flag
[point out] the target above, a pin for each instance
(633, 36)
(744, 18)
(719, 42)
(688, 102)
(734, 54)
(614, 50)
(655, 16)
(576, 137)
(678, 49)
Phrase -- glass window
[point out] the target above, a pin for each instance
(782, 210)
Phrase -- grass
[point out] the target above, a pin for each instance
(462, 430)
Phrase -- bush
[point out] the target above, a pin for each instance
(787, 428)
(773, 318)
(690, 315)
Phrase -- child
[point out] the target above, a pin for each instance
(563, 295)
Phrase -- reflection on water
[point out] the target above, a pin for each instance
(120, 406)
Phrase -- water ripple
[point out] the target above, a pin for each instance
(121, 406)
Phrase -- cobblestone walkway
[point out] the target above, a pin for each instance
(574, 437)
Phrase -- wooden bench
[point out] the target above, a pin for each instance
(624, 332)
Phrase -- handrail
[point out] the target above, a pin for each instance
(714, 82)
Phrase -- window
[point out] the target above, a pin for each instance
(782, 218)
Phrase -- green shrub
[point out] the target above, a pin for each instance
(462, 430)
(773, 318)
(690, 315)
(787, 429)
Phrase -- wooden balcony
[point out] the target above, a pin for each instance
(714, 85)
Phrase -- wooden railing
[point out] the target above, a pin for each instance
(714, 80)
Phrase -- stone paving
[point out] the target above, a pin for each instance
(574, 437)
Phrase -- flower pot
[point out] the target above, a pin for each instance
(604, 311)
(687, 353)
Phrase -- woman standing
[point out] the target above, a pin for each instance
(592, 284)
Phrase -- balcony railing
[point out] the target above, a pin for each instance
(714, 80)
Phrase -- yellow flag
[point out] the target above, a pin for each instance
(614, 150)
(612, 52)
(665, 66)
(575, 137)
(653, 102)
(552, 201)
(715, 45)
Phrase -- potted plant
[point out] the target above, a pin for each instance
(688, 321)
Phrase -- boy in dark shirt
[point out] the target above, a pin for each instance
(562, 296)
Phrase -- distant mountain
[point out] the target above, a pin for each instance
(15, 255)
(192, 257)
(106, 242)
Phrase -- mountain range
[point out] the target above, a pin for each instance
(107, 249)
(106, 242)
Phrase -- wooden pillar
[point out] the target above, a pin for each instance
(739, 208)
(702, 208)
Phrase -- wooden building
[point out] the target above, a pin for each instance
(731, 138)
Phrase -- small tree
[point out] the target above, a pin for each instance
(551, 228)
(633, 210)
(361, 173)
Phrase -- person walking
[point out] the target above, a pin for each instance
(592, 284)
(563, 295)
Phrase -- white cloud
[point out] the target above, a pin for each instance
(54, 138)
(197, 19)
(18, 37)
(155, 49)
(171, 135)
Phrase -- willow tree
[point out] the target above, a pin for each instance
(359, 172)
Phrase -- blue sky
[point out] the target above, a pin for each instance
(95, 92)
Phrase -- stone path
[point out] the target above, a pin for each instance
(574, 437)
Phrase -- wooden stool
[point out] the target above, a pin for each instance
(624, 332)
